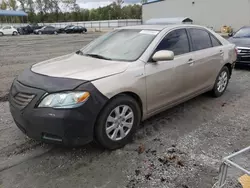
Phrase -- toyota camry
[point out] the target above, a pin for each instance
(103, 91)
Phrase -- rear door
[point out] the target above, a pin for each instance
(208, 57)
(169, 81)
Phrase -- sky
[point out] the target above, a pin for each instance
(100, 3)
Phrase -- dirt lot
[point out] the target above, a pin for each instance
(181, 147)
(20, 52)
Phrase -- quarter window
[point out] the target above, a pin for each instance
(200, 39)
(215, 41)
(176, 41)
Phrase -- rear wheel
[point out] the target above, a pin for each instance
(39, 32)
(1, 34)
(55, 32)
(117, 122)
(221, 82)
(14, 33)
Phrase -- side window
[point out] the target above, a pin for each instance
(200, 39)
(215, 41)
(49, 28)
(176, 41)
(7, 27)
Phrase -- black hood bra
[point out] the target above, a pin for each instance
(48, 83)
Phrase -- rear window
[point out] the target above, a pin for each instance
(215, 41)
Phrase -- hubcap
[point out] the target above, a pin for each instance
(222, 81)
(119, 122)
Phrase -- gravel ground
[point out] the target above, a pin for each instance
(20, 52)
(181, 147)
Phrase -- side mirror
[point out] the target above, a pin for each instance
(163, 55)
(230, 34)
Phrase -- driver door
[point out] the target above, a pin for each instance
(168, 82)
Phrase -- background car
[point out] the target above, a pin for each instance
(241, 39)
(46, 30)
(62, 30)
(8, 30)
(28, 29)
(76, 29)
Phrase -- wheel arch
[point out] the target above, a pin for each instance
(134, 96)
(229, 66)
(128, 93)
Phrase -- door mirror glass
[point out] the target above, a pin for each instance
(163, 55)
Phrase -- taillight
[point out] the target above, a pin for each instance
(236, 51)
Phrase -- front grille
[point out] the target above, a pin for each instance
(23, 99)
(244, 51)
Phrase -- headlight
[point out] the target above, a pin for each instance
(64, 100)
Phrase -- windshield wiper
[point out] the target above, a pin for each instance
(98, 56)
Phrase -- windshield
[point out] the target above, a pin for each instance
(121, 45)
(242, 33)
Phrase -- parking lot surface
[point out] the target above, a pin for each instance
(20, 52)
(181, 147)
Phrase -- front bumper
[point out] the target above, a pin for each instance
(241, 59)
(61, 126)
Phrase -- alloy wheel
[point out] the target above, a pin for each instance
(119, 122)
(222, 81)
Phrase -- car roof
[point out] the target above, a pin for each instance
(160, 27)
(246, 26)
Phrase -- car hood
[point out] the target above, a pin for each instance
(79, 67)
(240, 42)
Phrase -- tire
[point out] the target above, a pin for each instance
(55, 32)
(222, 80)
(14, 33)
(132, 119)
(1, 34)
(39, 32)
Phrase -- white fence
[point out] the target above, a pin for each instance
(88, 24)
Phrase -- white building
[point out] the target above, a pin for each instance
(210, 13)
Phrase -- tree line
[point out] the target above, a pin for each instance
(68, 10)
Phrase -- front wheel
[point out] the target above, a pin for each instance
(221, 82)
(117, 122)
(1, 34)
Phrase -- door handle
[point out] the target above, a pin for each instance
(190, 61)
